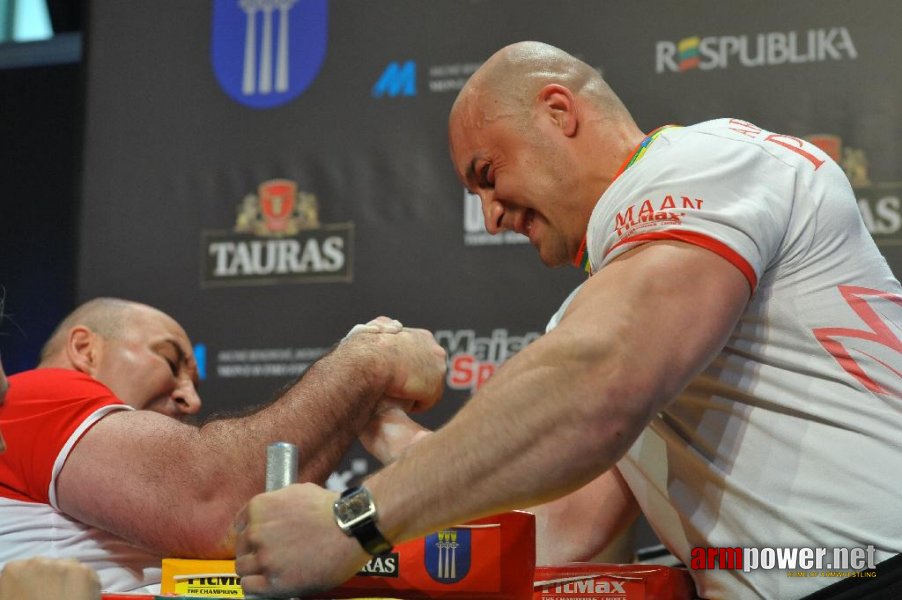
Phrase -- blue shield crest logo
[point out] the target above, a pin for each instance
(267, 52)
(447, 555)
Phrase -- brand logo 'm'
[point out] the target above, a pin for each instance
(397, 80)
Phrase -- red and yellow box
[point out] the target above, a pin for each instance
(486, 559)
(591, 581)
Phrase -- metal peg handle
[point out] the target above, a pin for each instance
(281, 465)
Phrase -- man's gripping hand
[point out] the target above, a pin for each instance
(412, 361)
(390, 432)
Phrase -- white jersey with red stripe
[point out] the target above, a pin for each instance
(792, 437)
(46, 413)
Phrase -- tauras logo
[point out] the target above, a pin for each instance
(385, 565)
(764, 49)
(882, 214)
(277, 238)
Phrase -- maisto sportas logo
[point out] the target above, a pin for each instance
(278, 238)
(267, 52)
(473, 359)
(764, 49)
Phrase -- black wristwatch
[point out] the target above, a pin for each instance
(355, 513)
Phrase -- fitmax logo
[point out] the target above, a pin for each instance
(397, 80)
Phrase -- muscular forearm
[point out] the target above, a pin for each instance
(175, 489)
(565, 409)
(321, 418)
(512, 458)
(321, 414)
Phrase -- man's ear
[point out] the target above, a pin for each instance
(83, 348)
(560, 105)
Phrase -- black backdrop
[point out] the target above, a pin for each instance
(181, 205)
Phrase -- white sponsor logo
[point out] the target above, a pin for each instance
(764, 49)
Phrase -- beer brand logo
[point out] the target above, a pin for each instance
(267, 52)
(764, 49)
(385, 565)
(880, 203)
(278, 209)
(447, 554)
(278, 238)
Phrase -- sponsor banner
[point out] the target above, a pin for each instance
(245, 363)
(399, 78)
(278, 239)
(473, 358)
(208, 175)
(756, 50)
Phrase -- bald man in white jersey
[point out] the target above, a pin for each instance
(731, 366)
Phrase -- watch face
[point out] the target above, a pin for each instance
(353, 508)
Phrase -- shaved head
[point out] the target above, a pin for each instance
(538, 135)
(106, 317)
(509, 81)
(139, 352)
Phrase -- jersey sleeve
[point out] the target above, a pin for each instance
(720, 194)
(46, 413)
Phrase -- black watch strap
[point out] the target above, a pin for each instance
(371, 538)
(356, 514)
